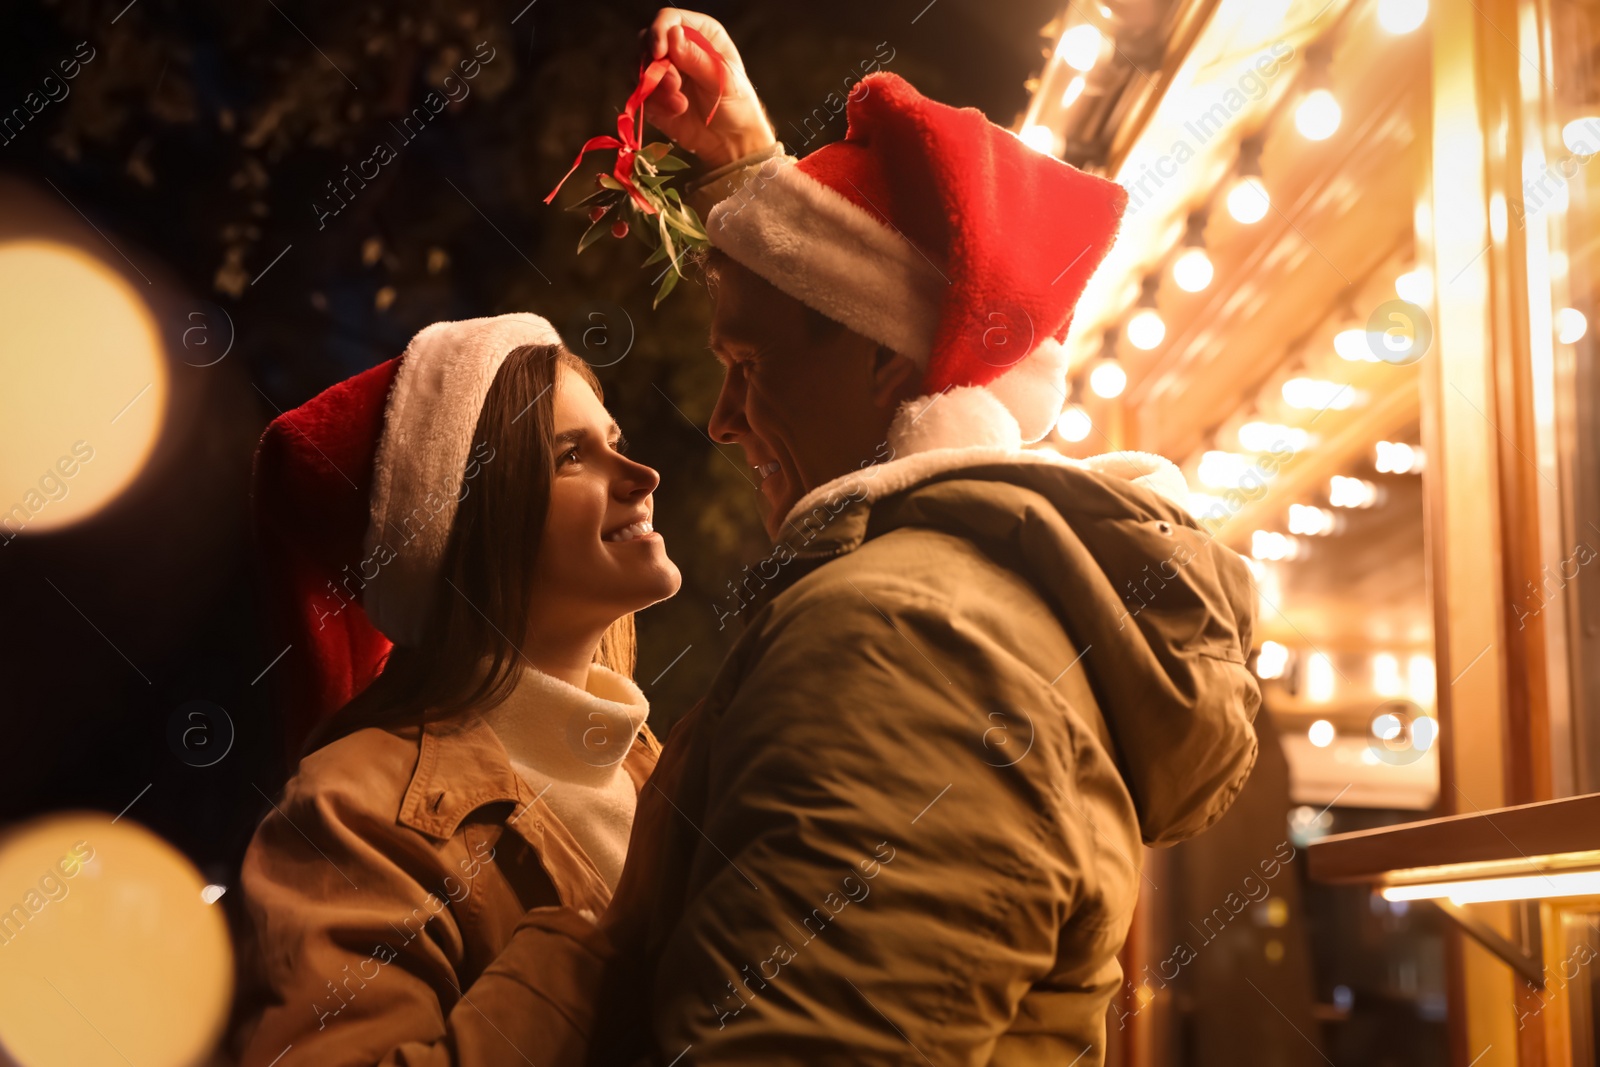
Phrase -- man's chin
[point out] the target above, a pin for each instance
(777, 498)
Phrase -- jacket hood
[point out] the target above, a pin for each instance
(1161, 613)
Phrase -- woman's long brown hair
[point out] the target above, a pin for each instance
(480, 608)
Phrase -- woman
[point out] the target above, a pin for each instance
(397, 896)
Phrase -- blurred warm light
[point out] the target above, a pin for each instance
(213, 893)
(1108, 379)
(1202, 503)
(1346, 492)
(86, 385)
(1387, 727)
(1080, 47)
(1489, 890)
(1317, 117)
(1192, 270)
(1146, 330)
(1074, 424)
(1424, 729)
(1274, 546)
(1582, 135)
(1039, 138)
(1308, 520)
(1272, 436)
(1272, 660)
(1318, 394)
(1415, 286)
(1073, 90)
(1386, 680)
(1354, 345)
(108, 925)
(1319, 678)
(1421, 679)
(1397, 457)
(1402, 16)
(1248, 200)
(1321, 733)
(1570, 325)
(1223, 470)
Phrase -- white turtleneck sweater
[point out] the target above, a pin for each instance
(568, 744)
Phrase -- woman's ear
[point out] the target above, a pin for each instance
(895, 377)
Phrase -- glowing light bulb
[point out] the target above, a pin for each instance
(1319, 680)
(1318, 394)
(1402, 16)
(1570, 325)
(1224, 470)
(1274, 546)
(1397, 457)
(1248, 200)
(1317, 117)
(1415, 286)
(1421, 681)
(1351, 492)
(1355, 345)
(1146, 330)
(1321, 733)
(1582, 135)
(1108, 379)
(1039, 138)
(1192, 270)
(1073, 90)
(1386, 680)
(1272, 437)
(1308, 520)
(1271, 661)
(1080, 47)
(1074, 424)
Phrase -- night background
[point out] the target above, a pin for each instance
(193, 155)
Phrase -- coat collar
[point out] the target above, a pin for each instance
(462, 766)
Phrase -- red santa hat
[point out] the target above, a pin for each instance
(355, 494)
(933, 231)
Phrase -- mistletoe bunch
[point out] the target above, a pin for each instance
(675, 229)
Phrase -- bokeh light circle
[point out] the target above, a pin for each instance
(108, 952)
(85, 385)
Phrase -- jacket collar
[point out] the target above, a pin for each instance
(462, 766)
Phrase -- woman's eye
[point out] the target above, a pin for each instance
(620, 446)
(569, 456)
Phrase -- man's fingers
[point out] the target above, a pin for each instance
(668, 101)
(692, 60)
(669, 18)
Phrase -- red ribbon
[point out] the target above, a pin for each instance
(630, 124)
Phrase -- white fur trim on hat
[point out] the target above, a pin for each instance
(813, 244)
(831, 255)
(421, 460)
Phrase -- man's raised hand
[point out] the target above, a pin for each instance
(687, 93)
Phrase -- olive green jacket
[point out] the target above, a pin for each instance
(905, 823)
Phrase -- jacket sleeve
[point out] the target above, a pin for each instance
(353, 959)
(878, 878)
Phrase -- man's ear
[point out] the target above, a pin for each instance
(895, 377)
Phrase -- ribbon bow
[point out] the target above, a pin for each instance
(630, 123)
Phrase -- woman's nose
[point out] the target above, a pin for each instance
(637, 480)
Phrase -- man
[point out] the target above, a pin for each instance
(905, 822)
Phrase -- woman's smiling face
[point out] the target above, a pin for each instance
(600, 557)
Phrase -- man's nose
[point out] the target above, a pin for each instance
(728, 423)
